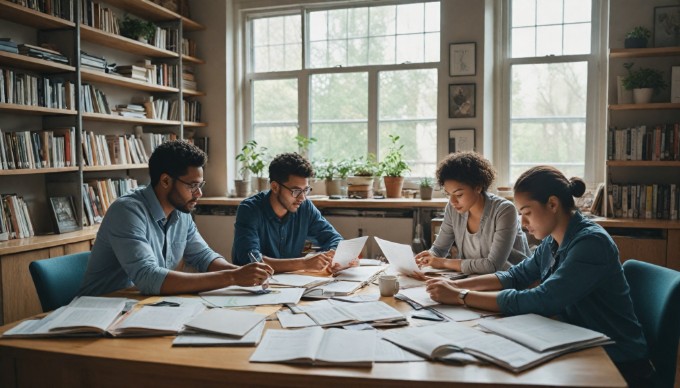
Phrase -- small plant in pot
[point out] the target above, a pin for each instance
(426, 187)
(637, 37)
(137, 29)
(393, 167)
(252, 158)
(643, 82)
(364, 170)
(328, 171)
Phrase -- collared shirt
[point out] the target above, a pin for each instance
(499, 242)
(583, 284)
(260, 231)
(129, 246)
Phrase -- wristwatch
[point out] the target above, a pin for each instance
(462, 294)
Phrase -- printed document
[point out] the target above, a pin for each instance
(349, 250)
(400, 256)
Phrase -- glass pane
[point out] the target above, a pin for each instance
(381, 50)
(339, 96)
(318, 26)
(551, 90)
(276, 58)
(261, 58)
(318, 56)
(273, 37)
(410, 18)
(548, 40)
(420, 140)
(275, 101)
(357, 19)
(293, 56)
(523, 13)
(337, 24)
(260, 36)
(407, 94)
(523, 42)
(432, 47)
(276, 30)
(337, 53)
(577, 39)
(277, 139)
(293, 29)
(548, 12)
(383, 20)
(432, 19)
(357, 52)
(339, 141)
(410, 48)
(577, 11)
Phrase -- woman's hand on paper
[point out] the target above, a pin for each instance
(443, 291)
(425, 259)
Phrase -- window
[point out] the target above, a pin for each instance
(356, 75)
(552, 51)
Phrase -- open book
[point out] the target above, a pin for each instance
(235, 297)
(297, 280)
(194, 338)
(318, 346)
(225, 322)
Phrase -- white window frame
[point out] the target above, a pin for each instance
(304, 75)
(595, 153)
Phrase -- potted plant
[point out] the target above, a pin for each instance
(363, 171)
(252, 158)
(426, 187)
(643, 82)
(637, 37)
(137, 29)
(393, 167)
(327, 171)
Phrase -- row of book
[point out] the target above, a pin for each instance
(106, 150)
(188, 47)
(166, 38)
(192, 110)
(656, 201)
(98, 195)
(93, 99)
(661, 142)
(37, 149)
(156, 74)
(28, 89)
(59, 8)
(97, 16)
(15, 219)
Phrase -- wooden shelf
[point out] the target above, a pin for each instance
(644, 52)
(35, 171)
(654, 105)
(16, 13)
(115, 167)
(91, 75)
(47, 241)
(637, 223)
(193, 93)
(29, 63)
(643, 163)
(122, 43)
(132, 120)
(194, 60)
(35, 110)
(194, 124)
(154, 12)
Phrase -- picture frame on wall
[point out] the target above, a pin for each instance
(667, 26)
(462, 59)
(63, 213)
(461, 100)
(461, 139)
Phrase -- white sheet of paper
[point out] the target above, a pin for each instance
(349, 250)
(194, 339)
(400, 256)
(278, 296)
(457, 313)
(289, 320)
(225, 322)
(419, 295)
(358, 274)
(296, 280)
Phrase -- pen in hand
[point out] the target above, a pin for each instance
(258, 259)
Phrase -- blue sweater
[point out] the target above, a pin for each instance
(260, 230)
(587, 287)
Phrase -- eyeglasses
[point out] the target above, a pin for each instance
(296, 192)
(193, 187)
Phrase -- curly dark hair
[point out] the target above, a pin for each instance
(285, 165)
(543, 182)
(174, 158)
(466, 167)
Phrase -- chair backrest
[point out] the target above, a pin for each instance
(655, 292)
(57, 280)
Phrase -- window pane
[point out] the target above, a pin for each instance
(337, 53)
(337, 24)
(432, 47)
(277, 139)
(357, 20)
(410, 48)
(383, 20)
(339, 96)
(275, 101)
(577, 11)
(410, 18)
(339, 141)
(275, 30)
(523, 13)
(318, 26)
(318, 56)
(548, 12)
(381, 50)
(523, 42)
(548, 41)
(548, 115)
(357, 52)
(577, 39)
(293, 31)
(277, 43)
(432, 20)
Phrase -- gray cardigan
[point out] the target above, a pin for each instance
(503, 241)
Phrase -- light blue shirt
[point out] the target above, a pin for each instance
(129, 246)
(586, 287)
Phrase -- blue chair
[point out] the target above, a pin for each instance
(57, 280)
(655, 292)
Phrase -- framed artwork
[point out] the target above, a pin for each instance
(667, 26)
(462, 59)
(461, 100)
(461, 139)
(64, 214)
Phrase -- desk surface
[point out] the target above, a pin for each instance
(152, 361)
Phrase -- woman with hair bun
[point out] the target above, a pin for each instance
(574, 275)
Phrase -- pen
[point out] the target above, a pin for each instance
(258, 259)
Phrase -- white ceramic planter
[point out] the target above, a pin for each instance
(642, 96)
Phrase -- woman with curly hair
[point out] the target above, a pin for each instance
(484, 227)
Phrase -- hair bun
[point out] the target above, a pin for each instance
(577, 187)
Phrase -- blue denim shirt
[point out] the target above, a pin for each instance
(129, 246)
(586, 287)
(260, 231)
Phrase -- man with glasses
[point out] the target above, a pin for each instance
(146, 233)
(274, 225)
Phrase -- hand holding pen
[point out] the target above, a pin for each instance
(257, 258)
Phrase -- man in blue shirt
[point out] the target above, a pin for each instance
(145, 234)
(275, 224)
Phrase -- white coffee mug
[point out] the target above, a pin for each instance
(389, 285)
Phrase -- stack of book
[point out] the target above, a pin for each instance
(132, 71)
(7, 45)
(37, 149)
(15, 220)
(131, 110)
(42, 53)
(91, 61)
(188, 79)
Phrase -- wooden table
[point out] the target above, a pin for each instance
(114, 362)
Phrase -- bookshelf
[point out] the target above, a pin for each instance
(37, 185)
(642, 167)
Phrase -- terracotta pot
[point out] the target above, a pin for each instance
(393, 185)
(426, 193)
